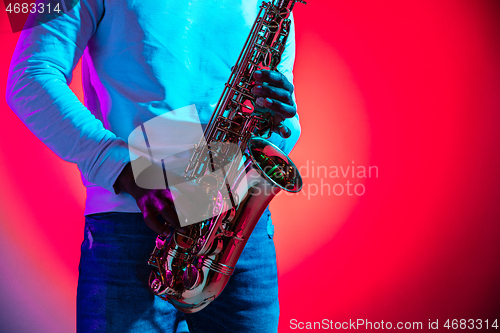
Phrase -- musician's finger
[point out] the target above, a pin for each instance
(283, 130)
(273, 78)
(279, 108)
(149, 213)
(169, 214)
(276, 93)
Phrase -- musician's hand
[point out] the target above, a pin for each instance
(191, 201)
(274, 94)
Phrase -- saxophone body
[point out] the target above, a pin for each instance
(238, 169)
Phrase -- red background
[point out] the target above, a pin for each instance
(411, 87)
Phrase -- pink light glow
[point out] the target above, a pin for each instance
(411, 87)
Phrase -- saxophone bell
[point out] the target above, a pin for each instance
(274, 165)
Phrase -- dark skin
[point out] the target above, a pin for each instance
(274, 95)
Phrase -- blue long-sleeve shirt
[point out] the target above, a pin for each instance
(140, 60)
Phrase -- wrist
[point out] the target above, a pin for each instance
(125, 181)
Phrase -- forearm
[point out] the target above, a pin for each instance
(46, 105)
(38, 92)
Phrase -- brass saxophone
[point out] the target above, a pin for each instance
(238, 168)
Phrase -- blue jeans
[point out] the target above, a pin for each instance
(113, 295)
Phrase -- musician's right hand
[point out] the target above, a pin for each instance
(190, 201)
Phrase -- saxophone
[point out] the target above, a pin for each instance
(239, 169)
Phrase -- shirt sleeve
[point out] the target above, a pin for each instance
(38, 92)
(286, 68)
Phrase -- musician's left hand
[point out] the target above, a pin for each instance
(274, 94)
